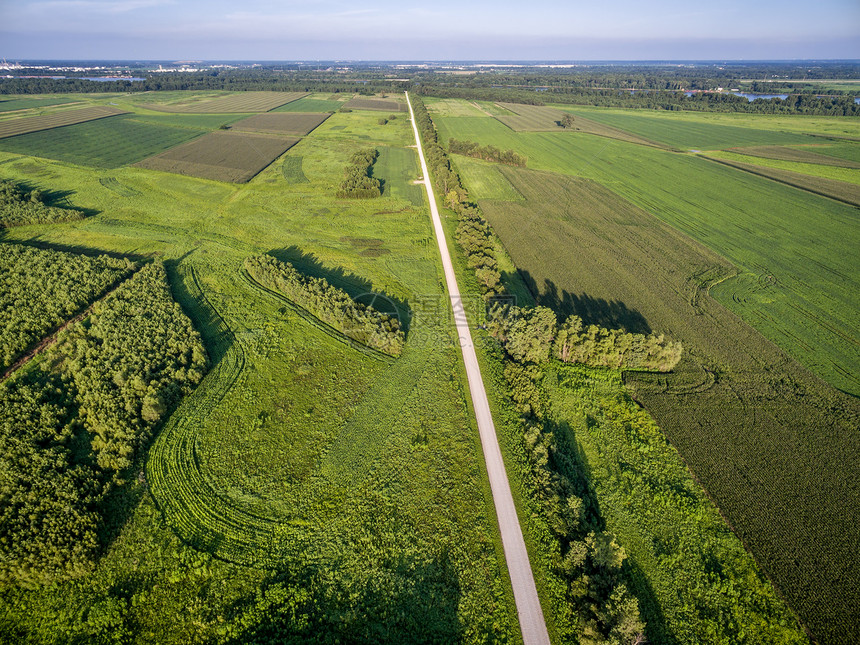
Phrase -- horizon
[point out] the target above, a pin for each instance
(545, 30)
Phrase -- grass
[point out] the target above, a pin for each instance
(222, 156)
(484, 180)
(735, 402)
(398, 169)
(848, 151)
(105, 143)
(283, 400)
(452, 107)
(27, 124)
(292, 170)
(381, 105)
(806, 155)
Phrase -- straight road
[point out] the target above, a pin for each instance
(532, 623)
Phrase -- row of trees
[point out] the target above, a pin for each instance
(359, 181)
(20, 205)
(331, 305)
(534, 336)
(73, 424)
(40, 289)
(487, 153)
(473, 232)
(587, 559)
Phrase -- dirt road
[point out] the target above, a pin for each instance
(531, 618)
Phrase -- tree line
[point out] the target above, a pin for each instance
(20, 205)
(486, 153)
(359, 182)
(331, 305)
(74, 424)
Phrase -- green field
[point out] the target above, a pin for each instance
(105, 143)
(310, 104)
(811, 308)
(484, 180)
(689, 134)
(398, 168)
(9, 105)
(305, 465)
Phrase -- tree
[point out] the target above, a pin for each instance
(567, 121)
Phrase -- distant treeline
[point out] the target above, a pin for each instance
(73, 426)
(20, 205)
(487, 153)
(331, 305)
(359, 182)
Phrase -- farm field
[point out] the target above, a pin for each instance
(222, 156)
(809, 310)
(27, 124)
(484, 179)
(397, 168)
(232, 103)
(104, 143)
(10, 105)
(382, 105)
(313, 103)
(822, 183)
(296, 124)
(728, 370)
(802, 154)
(278, 432)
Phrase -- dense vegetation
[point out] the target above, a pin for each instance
(20, 205)
(534, 336)
(330, 304)
(487, 153)
(39, 289)
(72, 425)
(359, 181)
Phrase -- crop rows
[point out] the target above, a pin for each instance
(382, 105)
(758, 431)
(234, 103)
(805, 154)
(25, 125)
(223, 156)
(296, 124)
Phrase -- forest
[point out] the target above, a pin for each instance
(74, 425)
(358, 182)
(20, 205)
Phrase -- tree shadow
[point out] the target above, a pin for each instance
(612, 314)
(78, 249)
(358, 288)
(56, 198)
(570, 461)
(404, 600)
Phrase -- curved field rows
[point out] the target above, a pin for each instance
(191, 505)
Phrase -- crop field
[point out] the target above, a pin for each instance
(310, 104)
(222, 156)
(292, 170)
(231, 104)
(843, 191)
(296, 124)
(632, 270)
(10, 105)
(804, 154)
(810, 308)
(847, 151)
(104, 143)
(453, 107)
(383, 105)
(25, 125)
(535, 118)
(688, 134)
(300, 464)
(827, 171)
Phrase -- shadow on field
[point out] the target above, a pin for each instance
(357, 287)
(612, 314)
(58, 198)
(403, 600)
(79, 249)
(571, 462)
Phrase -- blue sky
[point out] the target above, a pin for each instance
(439, 30)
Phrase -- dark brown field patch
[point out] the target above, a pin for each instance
(296, 124)
(223, 156)
(382, 105)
